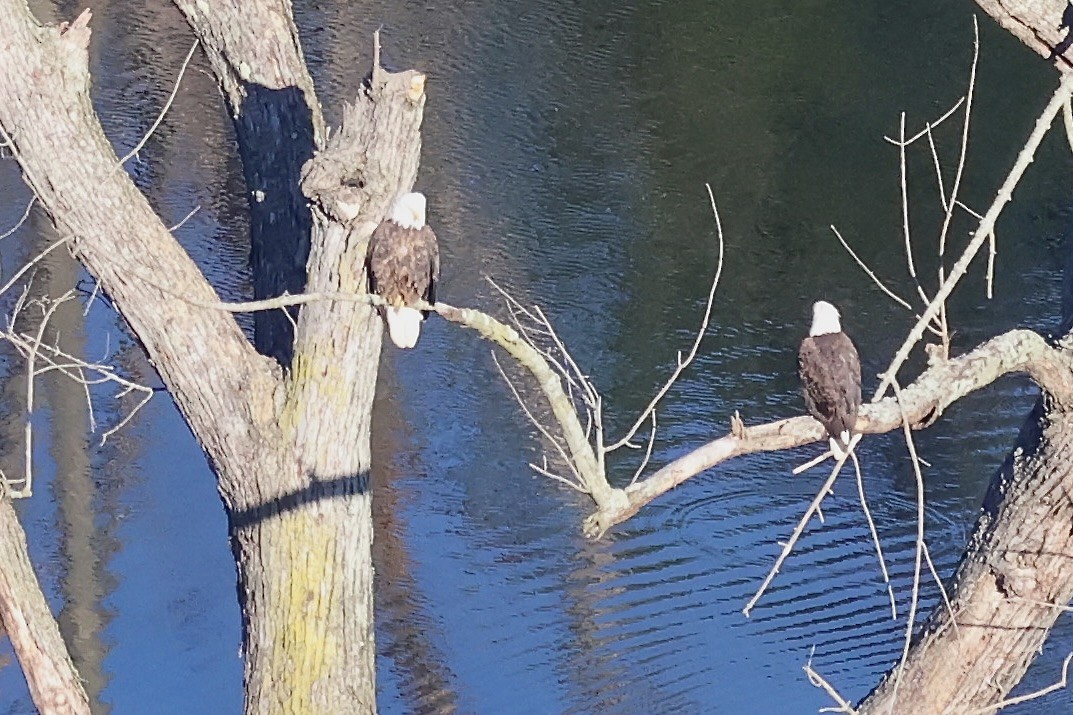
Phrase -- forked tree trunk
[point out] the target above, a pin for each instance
(290, 448)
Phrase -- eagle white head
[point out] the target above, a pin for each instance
(409, 210)
(824, 319)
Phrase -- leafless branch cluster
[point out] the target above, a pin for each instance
(538, 332)
(42, 356)
(934, 319)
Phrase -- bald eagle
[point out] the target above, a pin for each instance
(403, 264)
(830, 371)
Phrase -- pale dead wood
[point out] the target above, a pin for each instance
(872, 527)
(35, 637)
(925, 400)
(987, 225)
(22, 219)
(35, 350)
(818, 681)
(1053, 687)
(582, 456)
(871, 274)
(683, 364)
(1067, 122)
(906, 236)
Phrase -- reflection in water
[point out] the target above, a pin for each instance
(566, 151)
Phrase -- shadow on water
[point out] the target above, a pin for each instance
(566, 151)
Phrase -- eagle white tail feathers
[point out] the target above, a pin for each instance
(404, 326)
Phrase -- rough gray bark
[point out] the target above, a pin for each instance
(290, 450)
(35, 637)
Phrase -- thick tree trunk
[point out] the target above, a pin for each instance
(1009, 589)
(291, 451)
(54, 683)
(254, 51)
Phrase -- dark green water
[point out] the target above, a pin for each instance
(566, 151)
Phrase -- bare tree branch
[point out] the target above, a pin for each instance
(925, 400)
(987, 225)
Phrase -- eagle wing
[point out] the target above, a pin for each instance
(830, 372)
(403, 264)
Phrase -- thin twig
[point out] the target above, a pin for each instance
(938, 169)
(555, 477)
(22, 220)
(167, 105)
(819, 681)
(911, 619)
(532, 418)
(30, 264)
(683, 364)
(929, 125)
(874, 533)
(1029, 696)
(1067, 120)
(942, 588)
(798, 530)
(186, 218)
(868, 271)
(648, 451)
(904, 183)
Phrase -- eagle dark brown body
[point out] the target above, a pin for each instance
(403, 263)
(830, 371)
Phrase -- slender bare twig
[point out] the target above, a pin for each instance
(544, 471)
(948, 204)
(975, 214)
(904, 184)
(536, 423)
(22, 220)
(938, 169)
(1029, 696)
(186, 218)
(798, 530)
(913, 602)
(31, 374)
(868, 271)
(812, 463)
(1067, 121)
(874, 533)
(1005, 193)
(167, 105)
(92, 297)
(648, 451)
(35, 350)
(30, 264)
(932, 125)
(939, 583)
(683, 364)
(819, 681)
